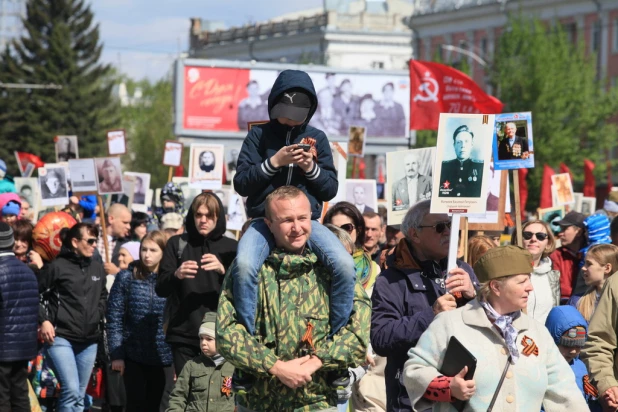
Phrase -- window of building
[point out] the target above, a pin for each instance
(596, 36)
(483, 46)
(570, 30)
(615, 36)
(377, 65)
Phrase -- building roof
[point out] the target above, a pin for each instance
(424, 7)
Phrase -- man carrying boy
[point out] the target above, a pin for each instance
(205, 383)
(293, 295)
(286, 151)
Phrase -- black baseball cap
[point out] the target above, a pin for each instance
(572, 219)
(293, 104)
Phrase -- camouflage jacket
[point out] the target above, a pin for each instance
(293, 291)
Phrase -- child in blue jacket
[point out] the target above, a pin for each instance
(286, 151)
(569, 329)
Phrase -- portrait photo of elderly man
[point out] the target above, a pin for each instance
(512, 146)
(463, 175)
(414, 186)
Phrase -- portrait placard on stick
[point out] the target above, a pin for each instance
(236, 213)
(362, 193)
(513, 145)
(356, 141)
(561, 183)
(340, 160)
(141, 186)
(66, 148)
(409, 175)
(172, 155)
(460, 182)
(116, 142)
(109, 175)
(206, 166)
(53, 185)
(588, 205)
(551, 216)
(83, 175)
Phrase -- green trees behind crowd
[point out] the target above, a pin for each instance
(536, 67)
(60, 47)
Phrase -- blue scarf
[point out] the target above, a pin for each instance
(505, 324)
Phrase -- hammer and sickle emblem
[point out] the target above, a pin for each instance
(429, 90)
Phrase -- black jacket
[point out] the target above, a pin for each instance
(255, 175)
(19, 302)
(73, 296)
(191, 298)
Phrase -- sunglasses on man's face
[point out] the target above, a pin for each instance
(91, 241)
(439, 227)
(348, 227)
(540, 236)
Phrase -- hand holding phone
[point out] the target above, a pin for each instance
(305, 147)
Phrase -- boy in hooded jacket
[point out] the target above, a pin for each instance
(569, 329)
(205, 381)
(286, 151)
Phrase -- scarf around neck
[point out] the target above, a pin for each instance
(362, 263)
(505, 324)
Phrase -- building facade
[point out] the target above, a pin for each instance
(469, 29)
(361, 34)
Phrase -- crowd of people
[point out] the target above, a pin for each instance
(170, 312)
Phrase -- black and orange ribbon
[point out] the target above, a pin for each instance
(226, 387)
(307, 339)
(530, 347)
(589, 388)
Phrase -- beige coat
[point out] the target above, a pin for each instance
(598, 353)
(545, 379)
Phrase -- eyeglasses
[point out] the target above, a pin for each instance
(440, 227)
(91, 241)
(540, 236)
(348, 227)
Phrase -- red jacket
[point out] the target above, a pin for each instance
(567, 262)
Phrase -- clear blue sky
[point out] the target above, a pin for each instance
(143, 37)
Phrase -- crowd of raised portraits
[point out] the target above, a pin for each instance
(347, 314)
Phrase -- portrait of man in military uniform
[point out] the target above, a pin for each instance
(461, 176)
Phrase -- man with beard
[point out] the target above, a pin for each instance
(412, 291)
(411, 188)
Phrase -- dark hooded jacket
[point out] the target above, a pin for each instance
(190, 299)
(402, 300)
(256, 177)
(73, 296)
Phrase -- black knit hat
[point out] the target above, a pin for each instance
(6, 236)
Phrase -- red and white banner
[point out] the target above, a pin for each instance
(436, 88)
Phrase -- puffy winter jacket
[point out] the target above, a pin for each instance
(73, 296)
(256, 177)
(19, 302)
(135, 321)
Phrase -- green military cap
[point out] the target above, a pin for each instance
(503, 261)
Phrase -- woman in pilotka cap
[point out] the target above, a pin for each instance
(519, 368)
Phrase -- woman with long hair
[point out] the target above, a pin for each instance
(539, 240)
(73, 294)
(346, 216)
(600, 262)
(135, 328)
(477, 247)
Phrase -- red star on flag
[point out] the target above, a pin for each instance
(446, 184)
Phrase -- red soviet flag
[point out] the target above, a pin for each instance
(23, 159)
(546, 198)
(436, 88)
(523, 191)
(589, 182)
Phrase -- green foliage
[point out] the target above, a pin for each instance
(61, 46)
(538, 69)
(148, 123)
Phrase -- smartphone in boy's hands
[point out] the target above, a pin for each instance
(305, 147)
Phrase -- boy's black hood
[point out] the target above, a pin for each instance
(217, 232)
(293, 79)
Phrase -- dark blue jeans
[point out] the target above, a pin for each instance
(256, 245)
(73, 363)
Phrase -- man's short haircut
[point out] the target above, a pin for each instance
(283, 192)
(414, 216)
(117, 209)
(372, 215)
(462, 129)
(209, 200)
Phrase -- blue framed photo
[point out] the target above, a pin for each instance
(513, 147)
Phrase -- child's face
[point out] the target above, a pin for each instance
(569, 352)
(289, 122)
(208, 345)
